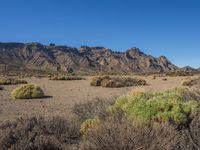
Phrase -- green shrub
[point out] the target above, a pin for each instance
(143, 108)
(10, 81)
(28, 91)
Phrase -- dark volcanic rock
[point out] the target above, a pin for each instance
(88, 59)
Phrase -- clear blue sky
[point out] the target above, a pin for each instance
(158, 27)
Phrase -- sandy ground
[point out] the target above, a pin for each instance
(64, 94)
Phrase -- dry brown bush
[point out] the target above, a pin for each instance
(118, 134)
(40, 134)
(107, 81)
(92, 109)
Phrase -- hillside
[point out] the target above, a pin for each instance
(36, 56)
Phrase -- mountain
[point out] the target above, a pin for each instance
(36, 56)
(189, 69)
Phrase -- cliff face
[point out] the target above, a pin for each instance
(89, 59)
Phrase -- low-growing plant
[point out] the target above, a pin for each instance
(38, 133)
(66, 78)
(10, 81)
(107, 81)
(164, 79)
(91, 109)
(179, 73)
(170, 106)
(187, 82)
(120, 134)
(28, 91)
(96, 81)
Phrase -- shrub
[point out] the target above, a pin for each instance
(172, 105)
(107, 81)
(187, 82)
(37, 133)
(10, 81)
(92, 109)
(96, 81)
(28, 91)
(89, 124)
(66, 78)
(179, 73)
(115, 134)
(191, 82)
(1, 88)
(164, 79)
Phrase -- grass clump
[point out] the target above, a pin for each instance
(11, 81)
(169, 106)
(107, 81)
(28, 91)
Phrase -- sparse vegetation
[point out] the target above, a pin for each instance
(107, 81)
(191, 81)
(179, 73)
(10, 81)
(28, 91)
(66, 78)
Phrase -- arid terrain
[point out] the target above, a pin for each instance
(62, 95)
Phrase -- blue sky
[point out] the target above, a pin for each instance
(157, 27)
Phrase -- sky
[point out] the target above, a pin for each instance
(157, 27)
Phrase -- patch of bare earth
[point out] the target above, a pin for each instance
(64, 94)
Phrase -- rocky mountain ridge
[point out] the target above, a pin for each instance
(37, 56)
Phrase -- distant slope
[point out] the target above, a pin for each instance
(88, 59)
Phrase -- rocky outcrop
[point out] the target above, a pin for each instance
(87, 59)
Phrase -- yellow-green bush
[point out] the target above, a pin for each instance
(143, 108)
(28, 91)
(89, 124)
